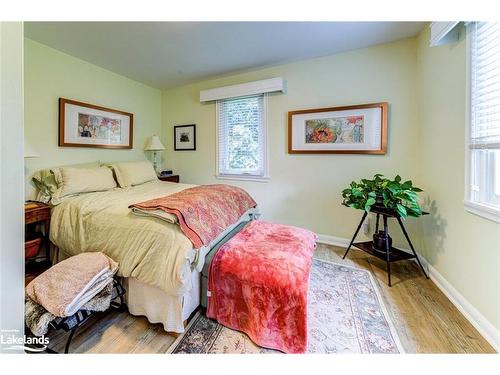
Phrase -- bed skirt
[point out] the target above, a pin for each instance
(159, 307)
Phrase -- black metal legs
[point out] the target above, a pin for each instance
(355, 233)
(411, 246)
(68, 342)
(387, 251)
(392, 254)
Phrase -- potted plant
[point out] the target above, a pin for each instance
(401, 197)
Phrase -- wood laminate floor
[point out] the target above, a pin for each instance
(426, 321)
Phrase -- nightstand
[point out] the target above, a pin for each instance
(169, 178)
(36, 218)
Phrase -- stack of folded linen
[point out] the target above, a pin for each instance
(83, 281)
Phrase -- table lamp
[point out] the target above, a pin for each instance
(154, 144)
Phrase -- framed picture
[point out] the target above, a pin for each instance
(87, 125)
(185, 137)
(356, 129)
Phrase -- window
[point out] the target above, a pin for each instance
(241, 145)
(483, 138)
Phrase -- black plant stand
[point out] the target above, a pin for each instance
(392, 254)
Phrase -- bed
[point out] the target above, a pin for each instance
(161, 269)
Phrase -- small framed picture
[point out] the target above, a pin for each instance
(88, 125)
(185, 137)
(356, 129)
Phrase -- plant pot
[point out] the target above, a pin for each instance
(379, 200)
(380, 240)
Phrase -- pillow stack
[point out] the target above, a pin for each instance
(45, 181)
(74, 181)
(56, 184)
(134, 173)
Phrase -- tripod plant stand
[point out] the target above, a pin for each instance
(391, 254)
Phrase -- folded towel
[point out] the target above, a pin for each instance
(65, 287)
(37, 319)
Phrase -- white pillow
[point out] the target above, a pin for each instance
(45, 183)
(73, 181)
(134, 173)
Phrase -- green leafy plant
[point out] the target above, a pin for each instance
(381, 191)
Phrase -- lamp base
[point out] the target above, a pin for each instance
(155, 162)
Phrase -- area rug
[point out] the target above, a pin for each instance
(345, 315)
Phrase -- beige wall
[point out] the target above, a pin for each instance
(304, 190)
(464, 248)
(50, 74)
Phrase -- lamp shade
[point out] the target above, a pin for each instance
(154, 144)
(29, 151)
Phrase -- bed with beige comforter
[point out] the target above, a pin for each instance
(151, 249)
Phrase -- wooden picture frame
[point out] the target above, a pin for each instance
(185, 137)
(87, 125)
(362, 129)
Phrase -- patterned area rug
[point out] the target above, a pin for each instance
(345, 315)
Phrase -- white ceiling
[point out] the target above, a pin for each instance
(168, 54)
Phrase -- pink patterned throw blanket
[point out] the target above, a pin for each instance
(203, 212)
(258, 284)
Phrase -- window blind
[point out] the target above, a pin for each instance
(484, 137)
(485, 86)
(241, 144)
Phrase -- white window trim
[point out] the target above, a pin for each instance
(483, 210)
(242, 177)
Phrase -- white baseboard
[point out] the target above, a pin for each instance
(334, 241)
(483, 325)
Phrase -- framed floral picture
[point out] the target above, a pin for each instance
(357, 129)
(88, 125)
(185, 137)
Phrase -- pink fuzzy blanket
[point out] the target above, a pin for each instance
(258, 284)
(204, 211)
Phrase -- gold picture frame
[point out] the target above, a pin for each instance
(87, 125)
(354, 129)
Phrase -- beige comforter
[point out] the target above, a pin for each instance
(152, 250)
